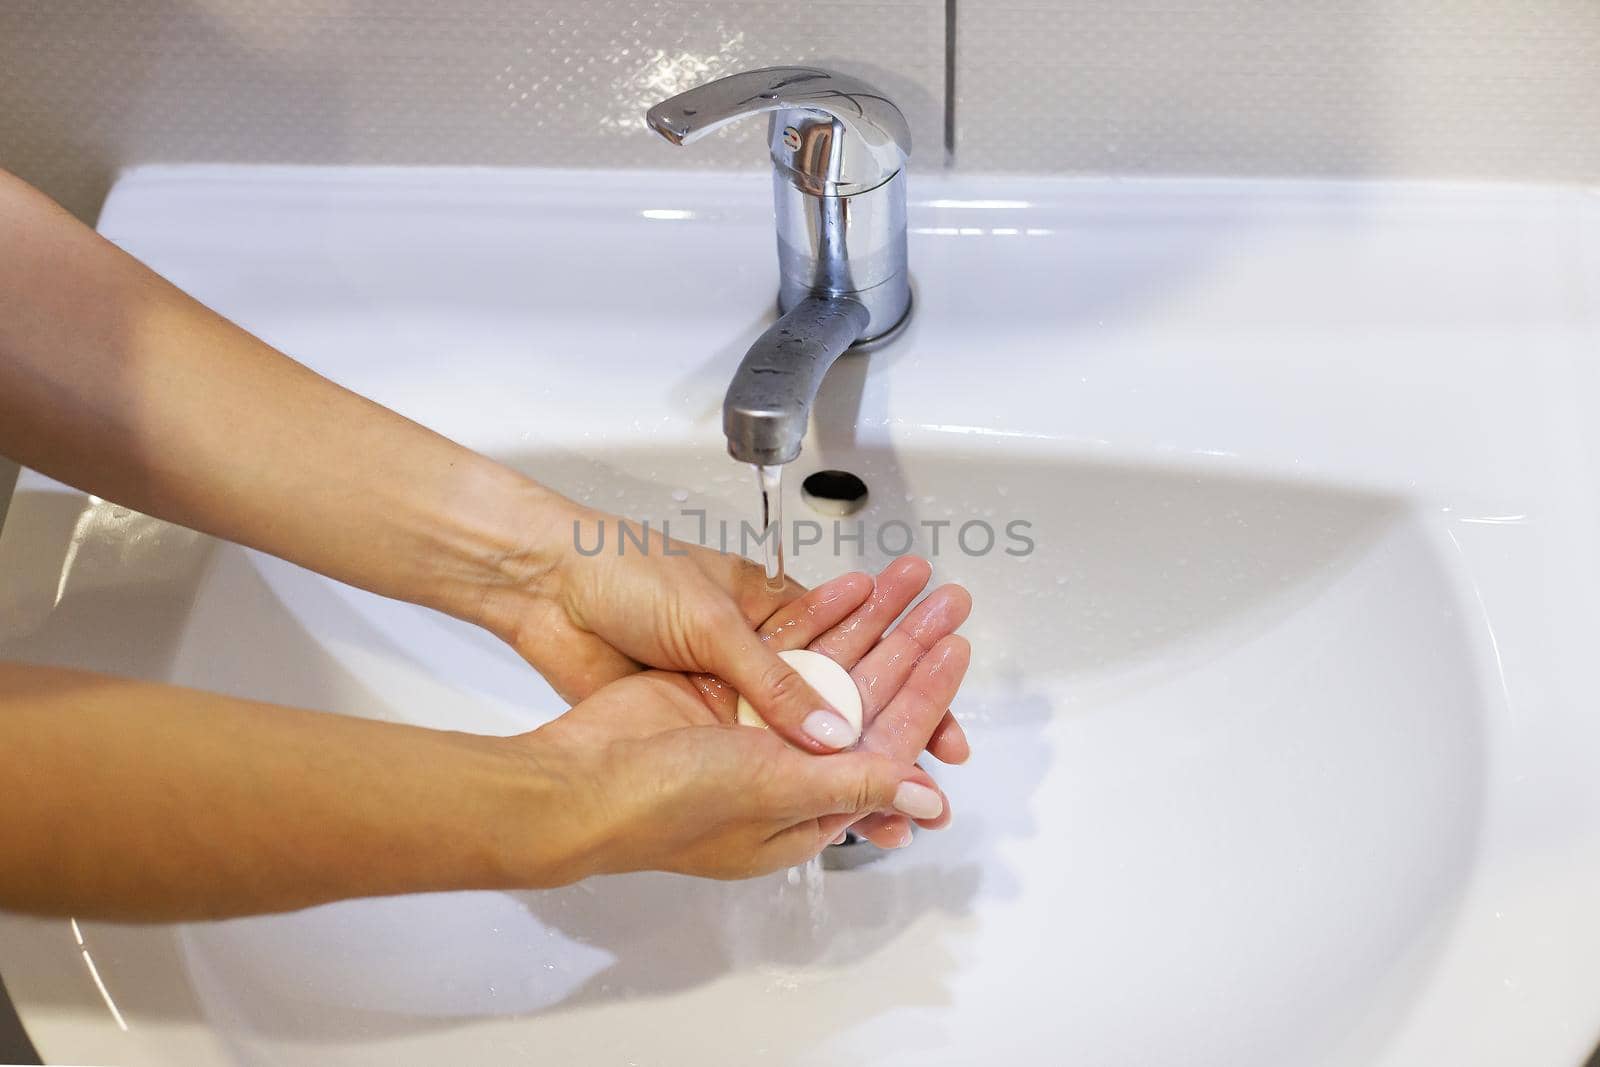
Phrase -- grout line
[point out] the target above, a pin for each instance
(949, 82)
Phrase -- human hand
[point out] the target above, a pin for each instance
(585, 621)
(907, 679)
(654, 780)
(733, 806)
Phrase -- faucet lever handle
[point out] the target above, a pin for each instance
(832, 134)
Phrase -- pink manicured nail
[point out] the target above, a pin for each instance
(838, 840)
(917, 801)
(905, 838)
(829, 728)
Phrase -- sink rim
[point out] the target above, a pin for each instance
(1514, 444)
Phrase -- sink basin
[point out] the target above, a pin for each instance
(1280, 700)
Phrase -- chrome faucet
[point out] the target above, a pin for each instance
(839, 150)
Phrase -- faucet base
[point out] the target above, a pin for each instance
(872, 344)
(844, 246)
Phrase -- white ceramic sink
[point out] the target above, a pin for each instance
(1286, 730)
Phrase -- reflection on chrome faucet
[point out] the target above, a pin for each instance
(839, 150)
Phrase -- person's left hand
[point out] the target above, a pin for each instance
(907, 679)
(586, 620)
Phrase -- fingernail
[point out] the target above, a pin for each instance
(829, 728)
(905, 838)
(838, 840)
(917, 801)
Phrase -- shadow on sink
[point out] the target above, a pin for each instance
(399, 967)
(669, 933)
(1122, 572)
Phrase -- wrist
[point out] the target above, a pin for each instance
(502, 546)
(548, 833)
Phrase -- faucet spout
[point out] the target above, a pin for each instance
(769, 401)
(839, 150)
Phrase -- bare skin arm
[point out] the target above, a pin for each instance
(129, 800)
(118, 383)
(136, 801)
(143, 801)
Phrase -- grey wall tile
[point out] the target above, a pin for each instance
(1413, 88)
(1495, 89)
(88, 86)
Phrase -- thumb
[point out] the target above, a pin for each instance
(852, 783)
(780, 696)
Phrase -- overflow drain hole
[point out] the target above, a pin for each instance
(834, 493)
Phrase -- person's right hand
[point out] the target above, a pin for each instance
(584, 621)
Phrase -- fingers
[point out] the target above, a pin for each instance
(907, 680)
(780, 696)
(889, 829)
(883, 671)
(949, 741)
(918, 710)
(794, 625)
(746, 583)
(801, 842)
(846, 621)
(816, 798)
(853, 783)
(896, 587)
(797, 844)
(902, 728)
(803, 620)
(885, 831)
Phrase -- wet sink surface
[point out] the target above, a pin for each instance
(1275, 719)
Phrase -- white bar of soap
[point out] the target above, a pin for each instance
(831, 681)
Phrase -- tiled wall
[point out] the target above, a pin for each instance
(1416, 88)
(1412, 88)
(87, 86)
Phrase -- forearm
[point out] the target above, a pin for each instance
(116, 382)
(135, 801)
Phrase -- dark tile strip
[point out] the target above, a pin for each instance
(949, 82)
(14, 1044)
